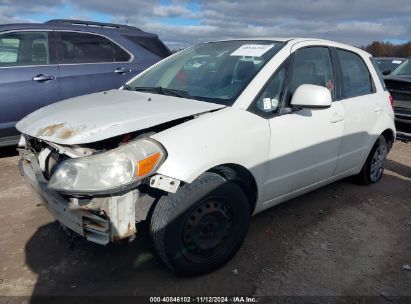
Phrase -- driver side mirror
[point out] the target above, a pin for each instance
(311, 96)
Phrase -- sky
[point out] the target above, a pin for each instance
(180, 23)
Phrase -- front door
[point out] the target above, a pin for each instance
(305, 143)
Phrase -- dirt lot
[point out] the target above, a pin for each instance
(343, 239)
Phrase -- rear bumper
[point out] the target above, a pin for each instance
(100, 220)
(403, 115)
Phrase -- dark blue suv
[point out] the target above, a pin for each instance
(44, 63)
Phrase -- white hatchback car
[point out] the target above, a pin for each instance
(204, 139)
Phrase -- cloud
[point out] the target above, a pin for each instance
(356, 22)
(173, 11)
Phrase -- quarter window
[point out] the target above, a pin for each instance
(153, 44)
(24, 48)
(88, 48)
(312, 65)
(269, 99)
(356, 77)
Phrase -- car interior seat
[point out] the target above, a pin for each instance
(39, 53)
(245, 69)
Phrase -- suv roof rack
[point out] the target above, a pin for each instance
(92, 24)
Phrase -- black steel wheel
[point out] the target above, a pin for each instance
(199, 228)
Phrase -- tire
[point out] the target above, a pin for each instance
(373, 168)
(201, 227)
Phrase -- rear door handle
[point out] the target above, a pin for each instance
(122, 71)
(43, 78)
(377, 109)
(336, 118)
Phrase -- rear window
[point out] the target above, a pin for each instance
(74, 48)
(356, 77)
(153, 44)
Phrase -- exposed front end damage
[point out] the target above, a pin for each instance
(103, 218)
(99, 219)
(99, 177)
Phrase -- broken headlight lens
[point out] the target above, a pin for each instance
(107, 171)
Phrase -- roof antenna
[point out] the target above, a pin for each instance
(126, 21)
(325, 35)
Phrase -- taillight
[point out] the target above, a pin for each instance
(392, 102)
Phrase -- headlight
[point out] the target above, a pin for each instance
(117, 168)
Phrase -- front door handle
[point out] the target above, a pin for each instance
(336, 118)
(43, 78)
(122, 71)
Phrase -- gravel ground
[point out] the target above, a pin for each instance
(341, 240)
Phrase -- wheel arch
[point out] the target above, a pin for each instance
(389, 136)
(243, 177)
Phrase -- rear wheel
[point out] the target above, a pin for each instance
(199, 228)
(373, 168)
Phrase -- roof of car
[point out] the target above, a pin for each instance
(77, 25)
(299, 39)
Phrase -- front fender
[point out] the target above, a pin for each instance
(230, 135)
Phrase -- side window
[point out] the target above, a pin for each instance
(87, 48)
(378, 71)
(24, 48)
(120, 55)
(312, 65)
(269, 99)
(356, 77)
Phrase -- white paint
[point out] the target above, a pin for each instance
(288, 155)
(102, 115)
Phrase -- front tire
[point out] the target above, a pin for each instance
(199, 228)
(373, 168)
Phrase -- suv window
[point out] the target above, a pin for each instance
(356, 77)
(312, 65)
(24, 48)
(88, 48)
(153, 44)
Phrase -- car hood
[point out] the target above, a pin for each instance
(98, 116)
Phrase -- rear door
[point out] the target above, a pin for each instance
(363, 107)
(90, 63)
(29, 77)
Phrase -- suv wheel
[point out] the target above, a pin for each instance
(373, 168)
(199, 228)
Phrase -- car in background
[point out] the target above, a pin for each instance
(398, 84)
(388, 64)
(59, 59)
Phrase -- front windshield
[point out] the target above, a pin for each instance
(215, 72)
(403, 69)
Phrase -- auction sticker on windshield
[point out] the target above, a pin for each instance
(255, 50)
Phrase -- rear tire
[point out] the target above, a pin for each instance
(199, 228)
(373, 168)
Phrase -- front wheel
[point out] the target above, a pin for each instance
(373, 168)
(199, 228)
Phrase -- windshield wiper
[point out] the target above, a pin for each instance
(163, 91)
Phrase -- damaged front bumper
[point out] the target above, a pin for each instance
(99, 219)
